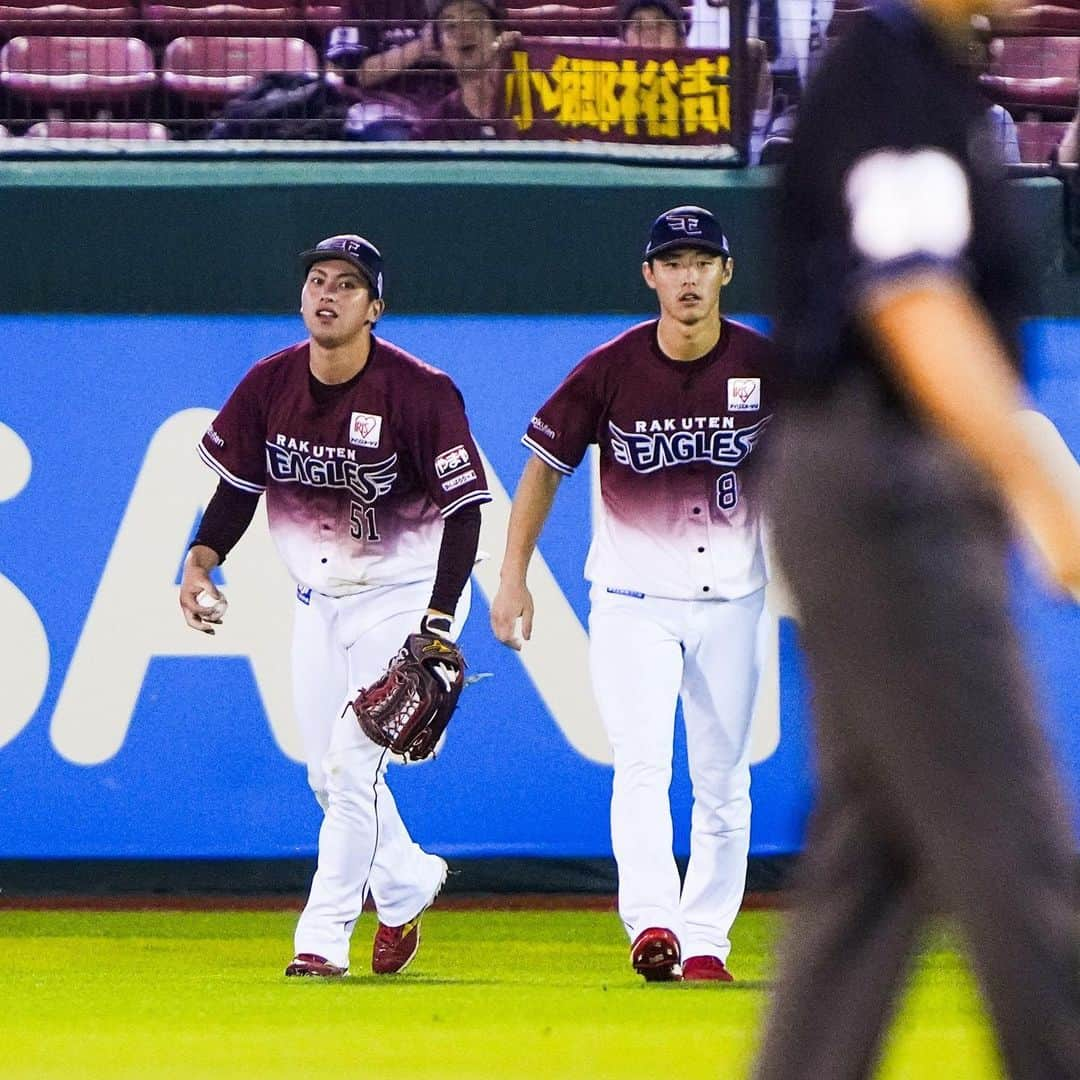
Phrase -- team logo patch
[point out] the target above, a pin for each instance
(365, 429)
(684, 223)
(743, 395)
(451, 460)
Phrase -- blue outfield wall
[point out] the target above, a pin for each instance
(123, 734)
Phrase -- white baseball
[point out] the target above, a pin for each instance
(214, 607)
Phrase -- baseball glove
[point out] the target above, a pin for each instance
(409, 706)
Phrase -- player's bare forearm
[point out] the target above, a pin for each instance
(196, 584)
(946, 354)
(532, 504)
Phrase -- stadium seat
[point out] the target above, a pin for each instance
(86, 70)
(209, 70)
(1061, 17)
(1037, 138)
(563, 20)
(98, 129)
(577, 18)
(321, 15)
(178, 18)
(1049, 99)
(45, 17)
(1035, 77)
(1037, 57)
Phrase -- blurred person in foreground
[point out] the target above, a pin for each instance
(471, 40)
(902, 454)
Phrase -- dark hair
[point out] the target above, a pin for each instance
(495, 9)
(673, 9)
(496, 13)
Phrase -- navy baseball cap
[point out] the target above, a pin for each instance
(363, 254)
(686, 226)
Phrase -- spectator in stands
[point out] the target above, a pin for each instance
(471, 39)
(656, 24)
(390, 48)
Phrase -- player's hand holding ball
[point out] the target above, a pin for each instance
(213, 606)
(203, 605)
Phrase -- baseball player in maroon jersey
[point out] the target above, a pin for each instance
(373, 487)
(677, 406)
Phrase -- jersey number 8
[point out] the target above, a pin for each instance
(727, 491)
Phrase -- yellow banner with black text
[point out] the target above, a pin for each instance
(614, 93)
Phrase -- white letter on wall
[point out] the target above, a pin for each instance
(135, 615)
(24, 651)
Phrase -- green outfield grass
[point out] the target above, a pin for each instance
(491, 994)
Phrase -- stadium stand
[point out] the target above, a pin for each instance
(174, 64)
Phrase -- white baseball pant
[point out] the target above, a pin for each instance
(645, 654)
(340, 645)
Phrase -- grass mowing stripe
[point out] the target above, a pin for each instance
(158, 994)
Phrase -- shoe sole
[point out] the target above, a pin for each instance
(308, 973)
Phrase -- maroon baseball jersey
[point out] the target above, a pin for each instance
(358, 477)
(680, 515)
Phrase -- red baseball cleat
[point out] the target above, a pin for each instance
(655, 955)
(705, 969)
(312, 966)
(395, 947)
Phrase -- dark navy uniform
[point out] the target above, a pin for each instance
(937, 789)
